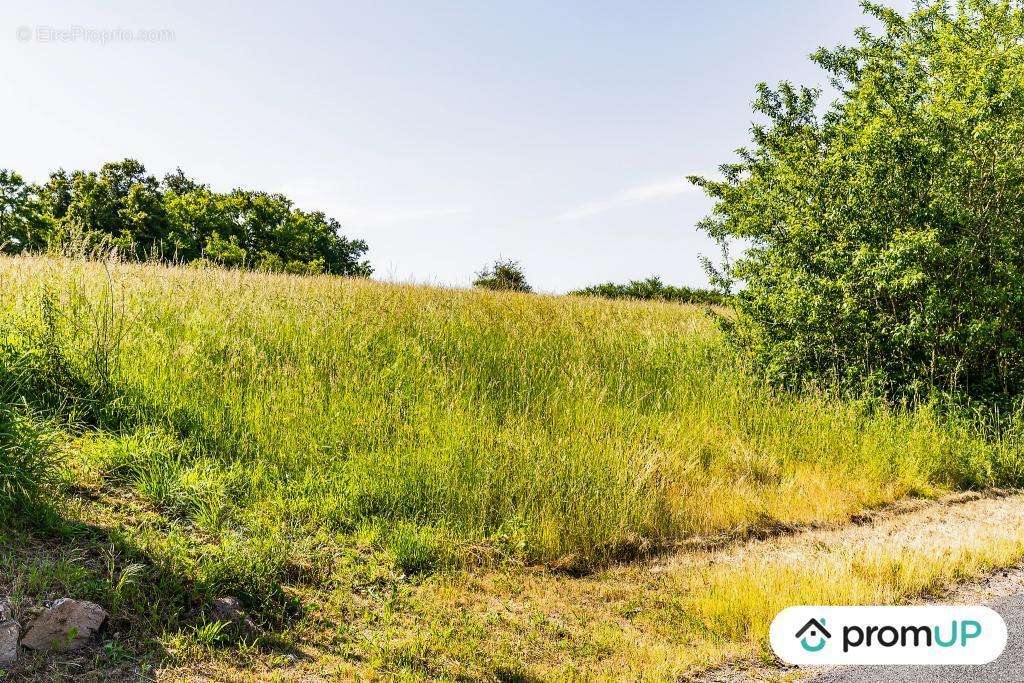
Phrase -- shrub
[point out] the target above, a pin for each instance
(653, 289)
(503, 275)
(883, 237)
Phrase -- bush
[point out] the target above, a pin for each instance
(883, 238)
(503, 275)
(653, 289)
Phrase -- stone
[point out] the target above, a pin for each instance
(6, 610)
(10, 631)
(67, 625)
(229, 609)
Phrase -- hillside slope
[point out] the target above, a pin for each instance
(292, 440)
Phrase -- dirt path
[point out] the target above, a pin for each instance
(638, 618)
(934, 524)
(905, 523)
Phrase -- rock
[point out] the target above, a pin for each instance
(10, 631)
(67, 625)
(6, 610)
(229, 608)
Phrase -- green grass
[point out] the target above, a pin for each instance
(267, 417)
(282, 437)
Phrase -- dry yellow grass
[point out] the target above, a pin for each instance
(689, 612)
(701, 614)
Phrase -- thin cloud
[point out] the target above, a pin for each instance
(311, 195)
(633, 195)
(384, 216)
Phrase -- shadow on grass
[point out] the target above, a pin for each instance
(45, 556)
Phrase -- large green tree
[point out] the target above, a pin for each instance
(122, 203)
(883, 235)
(23, 226)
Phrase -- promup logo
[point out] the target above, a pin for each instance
(816, 632)
(888, 635)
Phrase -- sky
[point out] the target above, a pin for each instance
(445, 134)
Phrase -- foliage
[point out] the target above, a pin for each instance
(653, 289)
(885, 246)
(504, 275)
(22, 224)
(177, 219)
(25, 463)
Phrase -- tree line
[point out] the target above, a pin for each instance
(174, 219)
(508, 275)
(653, 289)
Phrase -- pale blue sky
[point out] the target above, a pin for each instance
(444, 133)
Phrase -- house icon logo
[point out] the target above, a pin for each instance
(815, 632)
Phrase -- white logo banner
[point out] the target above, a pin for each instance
(888, 635)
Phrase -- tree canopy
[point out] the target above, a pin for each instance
(176, 219)
(883, 234)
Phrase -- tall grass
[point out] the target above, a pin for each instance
(540, 426)
(25, 463)
(26, 453)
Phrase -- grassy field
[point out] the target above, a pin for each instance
(284, 438)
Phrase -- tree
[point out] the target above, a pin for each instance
(315, 238)
(194, 214)
(122, 204)
(177, 219)
(23, 226)
(225, 252)
(885, 236)
(503, 275)
(179, 183)
(279, 236)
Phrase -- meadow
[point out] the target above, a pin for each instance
(266, 427)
